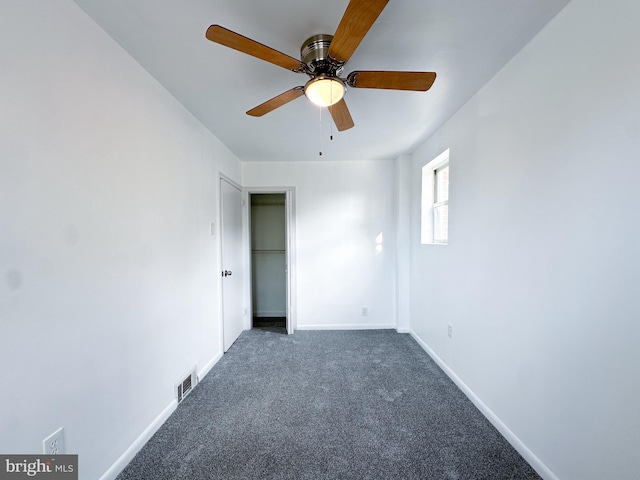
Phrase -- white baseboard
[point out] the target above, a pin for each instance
(135, 447)
(403, 330)
(346, 327)
(203, 372)
(511, 437)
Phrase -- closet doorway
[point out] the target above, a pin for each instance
(269, 219)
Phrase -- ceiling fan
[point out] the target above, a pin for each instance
(323, 58)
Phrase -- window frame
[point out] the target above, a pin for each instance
(429, 206)
(441, 205)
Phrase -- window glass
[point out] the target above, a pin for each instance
(441, 205)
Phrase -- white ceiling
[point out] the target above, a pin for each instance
(465, 42)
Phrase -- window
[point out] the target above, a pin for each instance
(435, 201)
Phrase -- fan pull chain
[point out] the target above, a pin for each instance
(331, 123)
(320, 137)
(331, 130)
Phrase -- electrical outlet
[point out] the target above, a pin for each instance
(54, 443)
(365, 311)
(450, 330)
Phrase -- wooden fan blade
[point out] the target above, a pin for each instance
(230, 39)
(341, 116)
(417, 81)
(276, 102)
(356, 22)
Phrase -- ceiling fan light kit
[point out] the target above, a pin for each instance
(325, 91)
(323, 58)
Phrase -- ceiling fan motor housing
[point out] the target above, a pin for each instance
(314, 54)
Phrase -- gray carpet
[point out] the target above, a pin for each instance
(327, 405)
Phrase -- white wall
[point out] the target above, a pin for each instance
(540, 279)
(108, 187)
(341, 207)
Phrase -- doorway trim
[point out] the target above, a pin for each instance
(290, 221)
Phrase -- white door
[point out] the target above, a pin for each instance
(231, 221)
